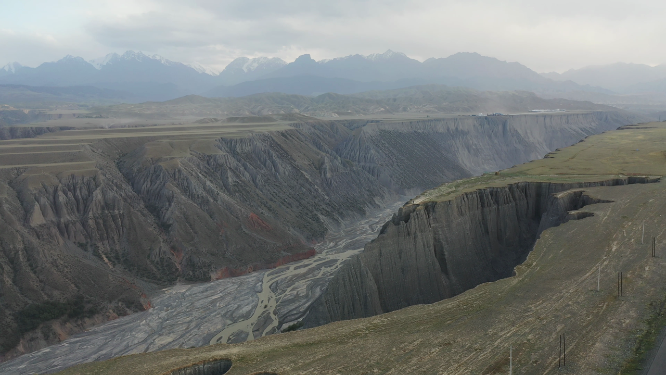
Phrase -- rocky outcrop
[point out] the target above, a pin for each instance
(146, 211)
(436, 250)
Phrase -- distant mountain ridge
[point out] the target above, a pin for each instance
(147, 77)
(392, 70)
(426, 99)
(155, 78)
(619, 77)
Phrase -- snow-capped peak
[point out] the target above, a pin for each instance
(253, 64)
(203, 69)
(131, 55)
(386, 55)
(127, 56)
(71, 58)
(161, 59)
(99, 62)
(12, 67)
(250, 65)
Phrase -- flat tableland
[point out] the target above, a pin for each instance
(64, 151)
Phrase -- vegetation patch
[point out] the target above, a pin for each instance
(34, 315)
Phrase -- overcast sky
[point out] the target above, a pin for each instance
(544, 35)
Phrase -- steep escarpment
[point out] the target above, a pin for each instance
(69, 249)
(436, 250)
(107, 219)
(249, 201)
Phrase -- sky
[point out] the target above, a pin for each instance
(543, 35)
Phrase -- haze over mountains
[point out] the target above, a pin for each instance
(619, 77)
(135, 77)
(155, 78)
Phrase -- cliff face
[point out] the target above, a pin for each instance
(407, 154)
(251, 200)
(119, 214)
(437, 250)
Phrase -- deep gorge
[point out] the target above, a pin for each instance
(159, 212)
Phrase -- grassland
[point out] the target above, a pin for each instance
(636, 150)
(553, 292)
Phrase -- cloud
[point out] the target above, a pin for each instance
(543, 35)
(20, 46)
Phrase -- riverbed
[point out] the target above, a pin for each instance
(224, 311)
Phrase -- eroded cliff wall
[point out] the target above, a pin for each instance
(436, 250)
(424, 153)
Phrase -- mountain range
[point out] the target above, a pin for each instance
(141, 77)
(621, 78)
(136, 77)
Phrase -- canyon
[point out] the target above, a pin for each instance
(520, 257)
(113, 215)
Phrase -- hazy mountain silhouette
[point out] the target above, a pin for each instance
(148, 78)
(620, 77)
(391, 70)
(156, 78)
